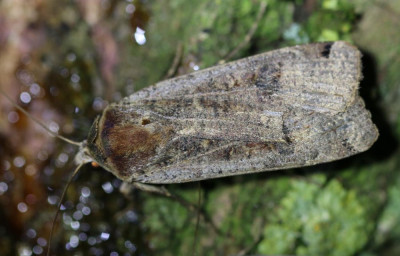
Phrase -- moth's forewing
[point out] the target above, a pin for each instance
(291, 107)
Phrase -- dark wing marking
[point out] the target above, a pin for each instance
(316, 140)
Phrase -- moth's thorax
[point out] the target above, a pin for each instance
(123, 140)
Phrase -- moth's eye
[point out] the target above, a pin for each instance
(145, 121)
(95, 164)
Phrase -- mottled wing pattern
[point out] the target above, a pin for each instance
(287, 108)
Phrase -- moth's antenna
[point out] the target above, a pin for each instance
(38, 121)
(59, 204)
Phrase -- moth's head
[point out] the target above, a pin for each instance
(125, 141)
(83, 155)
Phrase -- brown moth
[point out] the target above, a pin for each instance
(292, 107)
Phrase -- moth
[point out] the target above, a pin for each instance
(292, 107)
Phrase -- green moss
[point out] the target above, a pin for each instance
(314, 220)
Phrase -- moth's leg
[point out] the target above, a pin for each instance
(249, 35)
(126, 189)
(175, 63)
(161, 190)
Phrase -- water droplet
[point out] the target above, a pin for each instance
(77, 215)
(3, 187)
(82, 236)
(22, 207)
(48, 170)
(25, 97)
(52, 200)
(54, 127)
(68, 246)
(37, 249)
(92, 240)
(19, 161)
(67, 219)
(30, 170)
(71, 57)
(7, 165)
(75, 225)
(31, 233)
(34, 89)
(42, 155)
(13, 117)
(131, 216)
(85, 191)
(128, 244)
(64, 72)
(98, 104)
(8, 176)
(74, 240)
(75, 78)
(107, 187)
(130, 8)
(24, 251)
(104, 236)
(139, 36)
(42, 241)
(62, 159)
(86, 210)
(24, 76)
